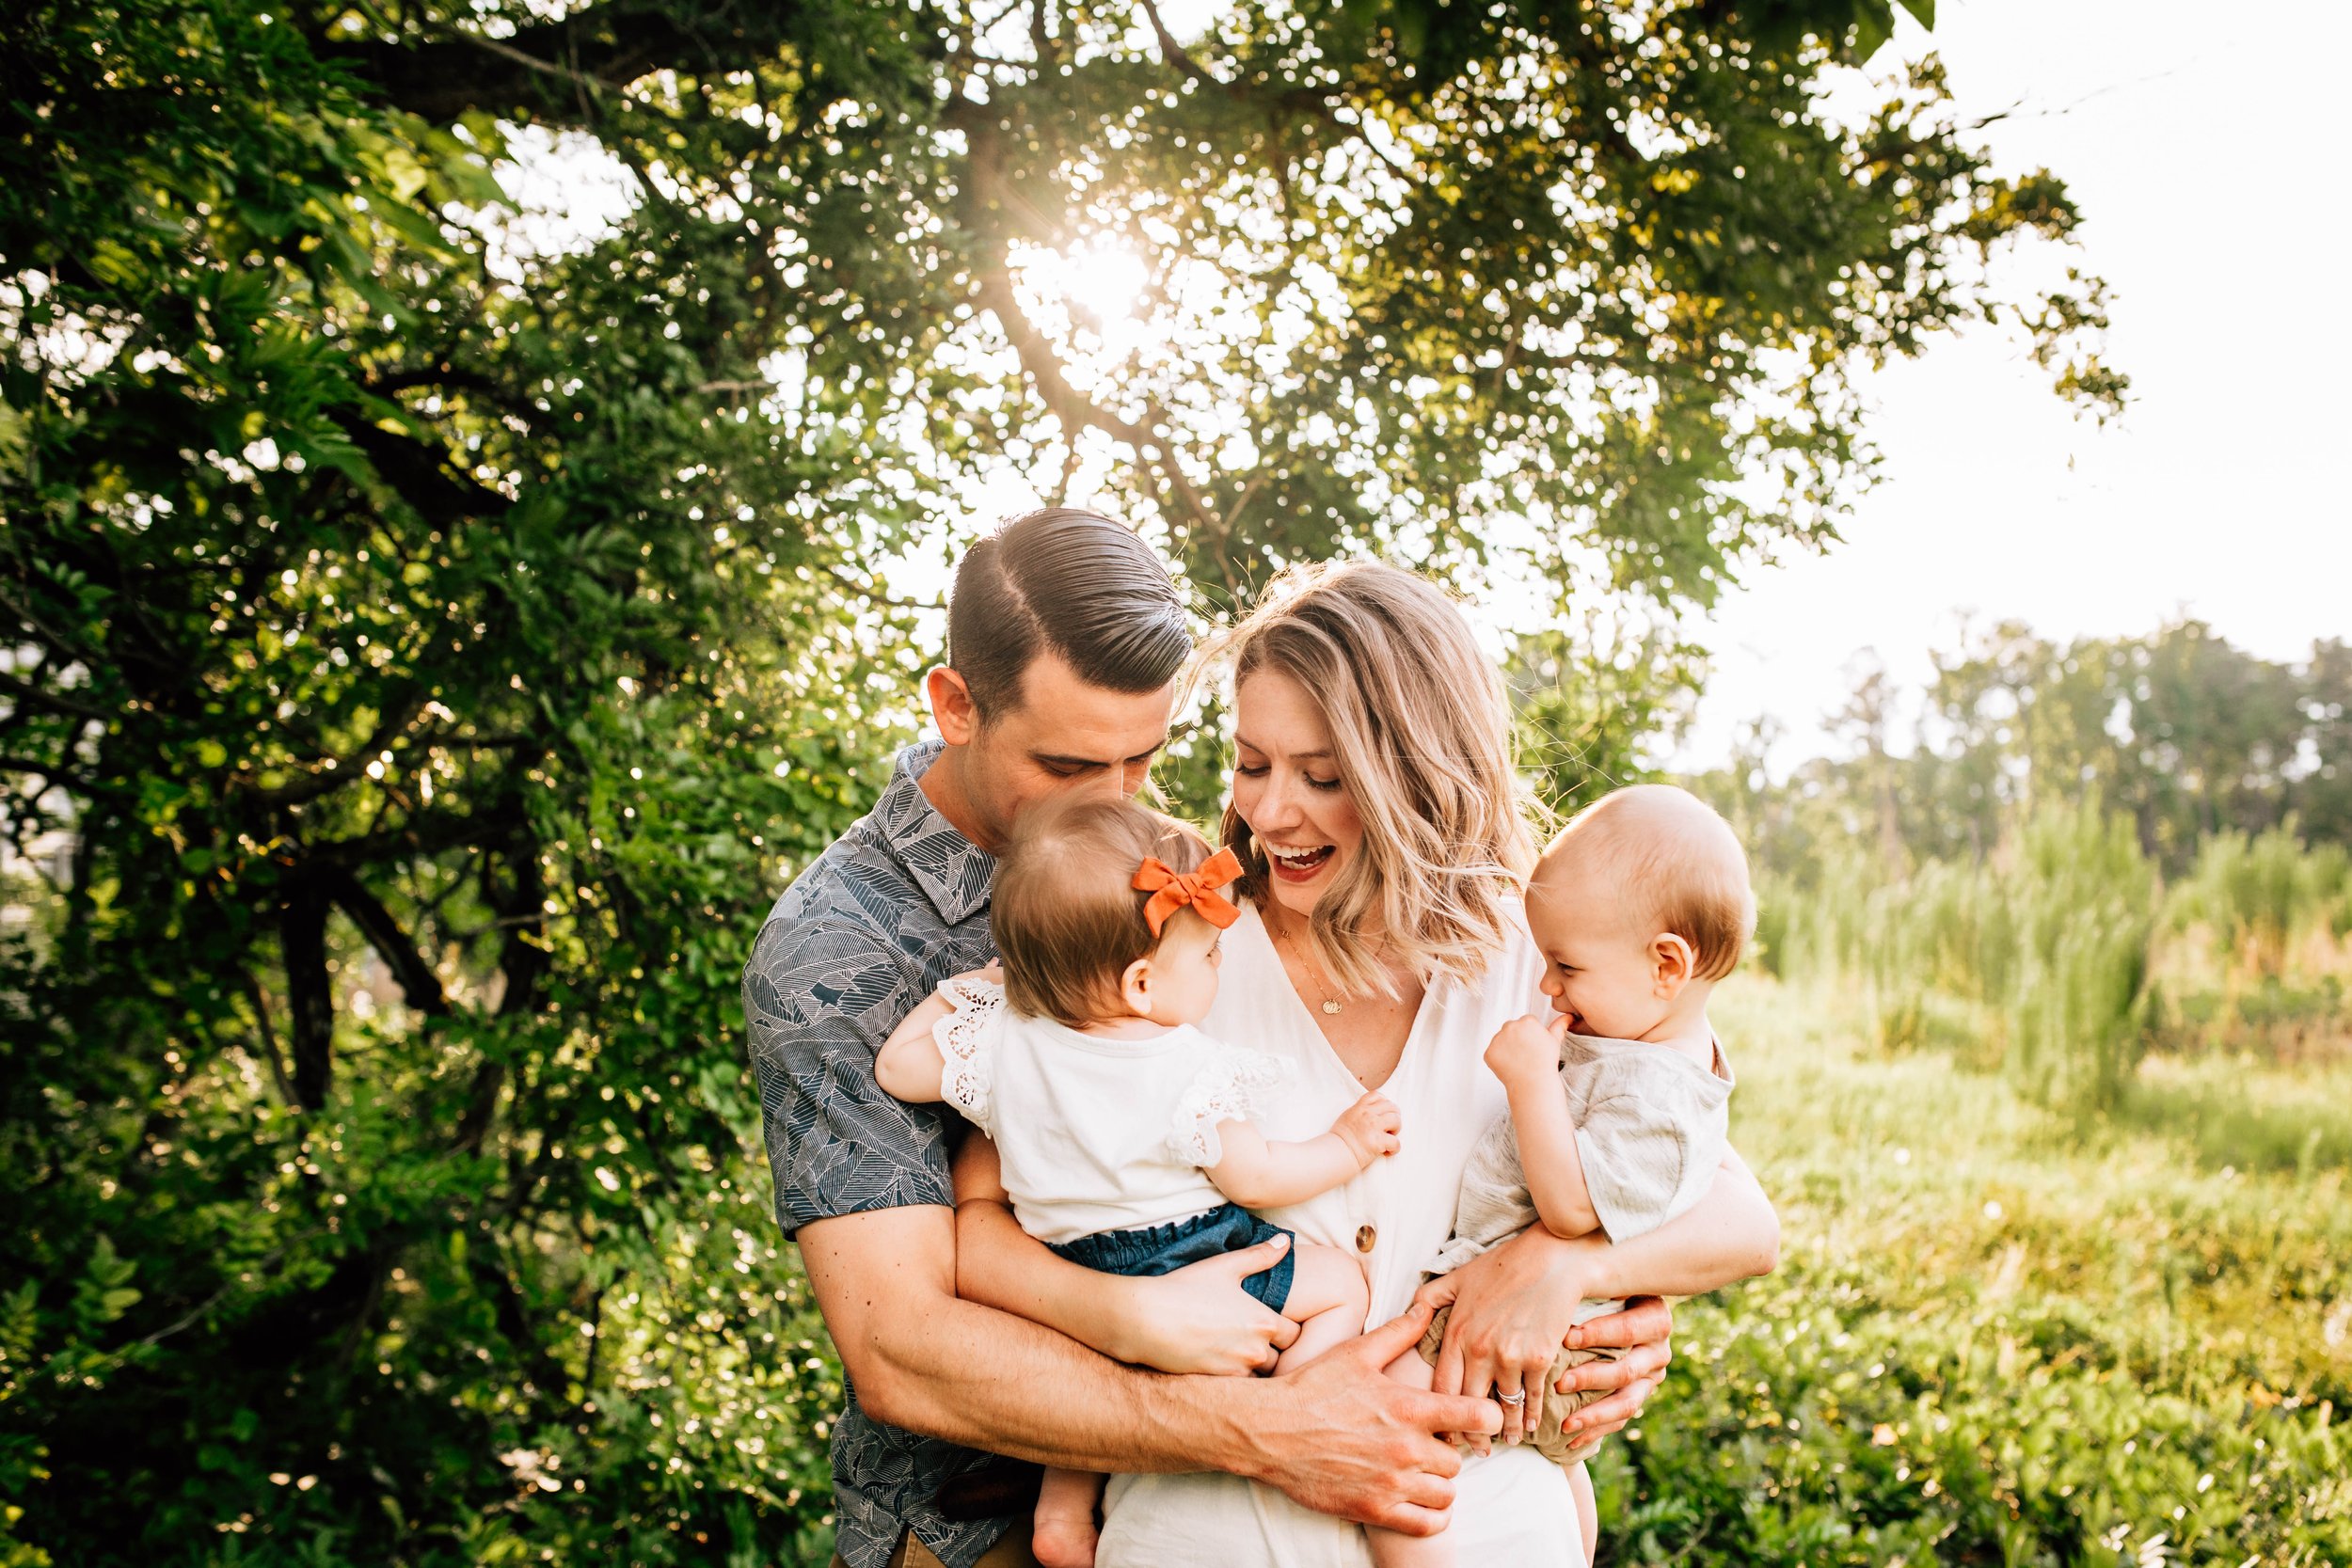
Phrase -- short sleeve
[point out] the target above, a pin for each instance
(819, 997)
(1225, 1089)
(967, 1038)
(1649, 1144)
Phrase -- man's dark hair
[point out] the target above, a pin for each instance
(1076, 583)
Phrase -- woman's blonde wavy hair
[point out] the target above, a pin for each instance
(1421, 730)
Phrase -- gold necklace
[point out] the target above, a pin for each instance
(1313, 974)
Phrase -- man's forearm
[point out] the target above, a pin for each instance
(1729, 1235)
(928, 1362)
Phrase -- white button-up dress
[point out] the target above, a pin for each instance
(1511, 1507)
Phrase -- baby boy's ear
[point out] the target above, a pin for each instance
(1674, 960)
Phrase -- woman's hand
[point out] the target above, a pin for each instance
(1513, 1308)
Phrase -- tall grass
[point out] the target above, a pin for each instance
(2038, 958)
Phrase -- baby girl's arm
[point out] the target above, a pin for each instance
(1526, 1056)
(909, 1065)
(1258, 1174)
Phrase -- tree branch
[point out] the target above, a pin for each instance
(302, 942)
(418, 985)
(544, 66)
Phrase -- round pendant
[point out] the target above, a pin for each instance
(1331, 1006)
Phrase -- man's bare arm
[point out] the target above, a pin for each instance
(1335, 1435)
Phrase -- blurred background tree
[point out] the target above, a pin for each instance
(436, 618)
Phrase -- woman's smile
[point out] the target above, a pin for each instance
(1299, 865)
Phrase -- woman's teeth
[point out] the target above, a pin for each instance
(1300, 860)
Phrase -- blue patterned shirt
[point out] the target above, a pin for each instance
(899, 903)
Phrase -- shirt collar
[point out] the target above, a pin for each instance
(954, 873)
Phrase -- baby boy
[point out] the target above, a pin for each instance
(1618, 1101)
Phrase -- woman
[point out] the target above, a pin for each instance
(1375, 812)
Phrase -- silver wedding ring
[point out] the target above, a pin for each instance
(1513, 1401)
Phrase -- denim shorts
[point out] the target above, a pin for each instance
(1164, 1248)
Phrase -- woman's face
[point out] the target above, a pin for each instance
(1287, 787)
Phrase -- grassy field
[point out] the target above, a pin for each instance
(2002, 1335)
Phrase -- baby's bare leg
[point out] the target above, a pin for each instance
(1389, 1549)
(1587, 1516)
(1329, 1301)
(1062, 1533)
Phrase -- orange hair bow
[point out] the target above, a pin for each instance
(1172, 890)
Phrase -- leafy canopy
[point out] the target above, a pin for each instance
(424, 646)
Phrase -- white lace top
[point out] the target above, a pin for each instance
(1096, 1133)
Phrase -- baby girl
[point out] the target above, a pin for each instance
(1123, 1131)
(1618, 1101)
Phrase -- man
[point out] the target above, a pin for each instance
(1065, 637)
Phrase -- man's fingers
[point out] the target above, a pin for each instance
(1392, 1339)
(1645, 1321)
(1608, 1415)
(1612, 1373)
(1471, 1418)
(1412, 1519)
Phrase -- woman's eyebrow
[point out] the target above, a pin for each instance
(1248, 745)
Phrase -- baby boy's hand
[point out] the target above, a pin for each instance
(1527, 1047)
(1368, 1127)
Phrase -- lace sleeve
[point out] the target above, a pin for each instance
(1225, 1089)
(966, 1038)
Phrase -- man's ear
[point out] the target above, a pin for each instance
(952, 709)
(1135, 987)
(1672, 965)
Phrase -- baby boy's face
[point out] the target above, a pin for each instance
(1599, 967)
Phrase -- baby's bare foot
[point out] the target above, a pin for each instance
(1061, 1541)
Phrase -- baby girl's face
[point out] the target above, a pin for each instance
(1599, 967)
(1183, 970)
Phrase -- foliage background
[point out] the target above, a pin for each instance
(432, 629)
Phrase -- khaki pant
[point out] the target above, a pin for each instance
(1549, 1440)
(1011, 1552)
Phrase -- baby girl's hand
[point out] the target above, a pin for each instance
(1527, 1047)
(1368, 1127)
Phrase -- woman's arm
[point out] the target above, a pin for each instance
(1196, 1320)
(1513, 1305)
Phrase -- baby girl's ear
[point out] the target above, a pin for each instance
(1135, 987)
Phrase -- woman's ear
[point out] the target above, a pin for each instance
(1135, 987)
(1672, 964)
(952, 709)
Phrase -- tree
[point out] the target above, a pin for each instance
(438, 645)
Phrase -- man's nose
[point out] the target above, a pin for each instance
(1132, 776)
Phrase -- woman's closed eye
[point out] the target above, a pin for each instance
(1260, 769)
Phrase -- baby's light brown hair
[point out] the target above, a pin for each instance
(1677, 865)
(1066, 919)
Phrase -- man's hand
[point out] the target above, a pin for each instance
(1199, 1319)
(1368, 1127)
(1645, 1330)
(1527, 1048)
(1513, 1310)
(1343, 1439)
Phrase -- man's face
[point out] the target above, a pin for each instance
(1063, 734)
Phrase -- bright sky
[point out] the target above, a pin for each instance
(2204, 151)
